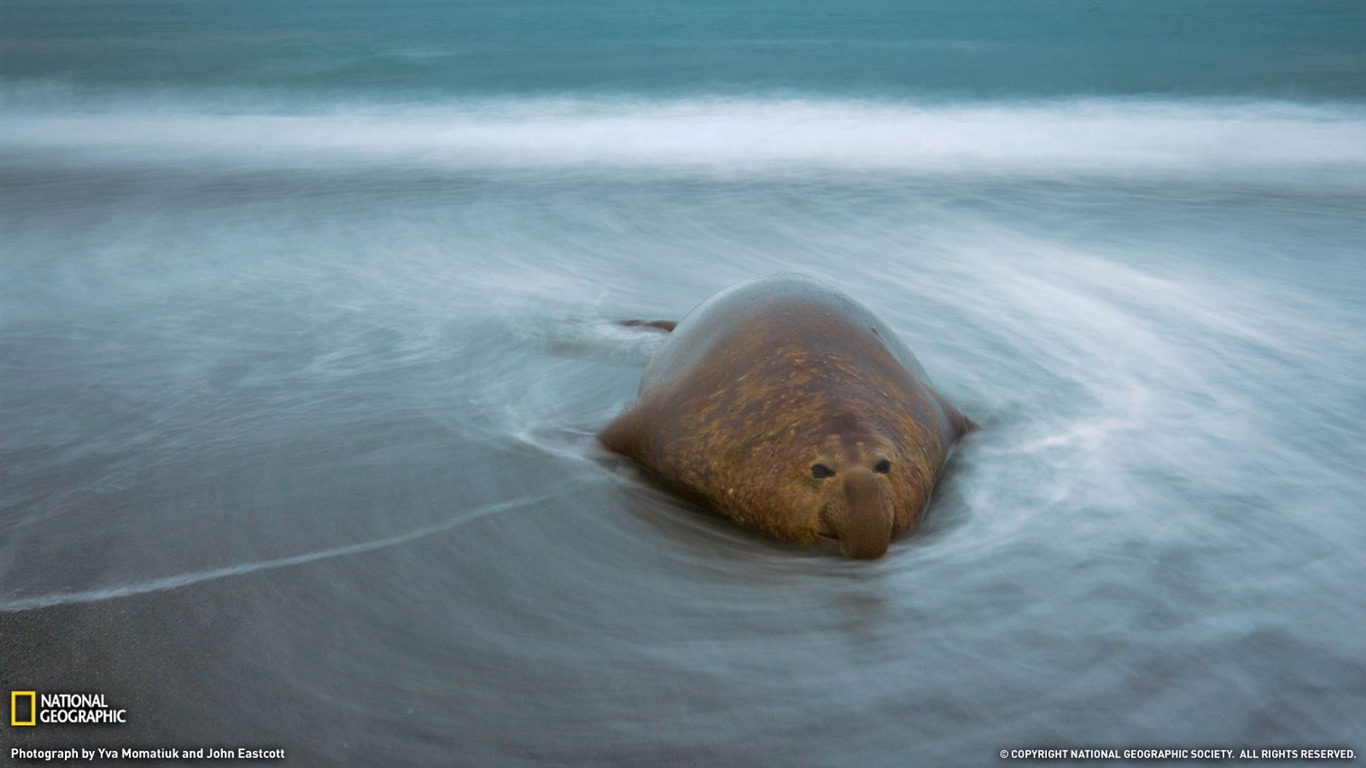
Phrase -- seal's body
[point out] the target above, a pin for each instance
(788, 407)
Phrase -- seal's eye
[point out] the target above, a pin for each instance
(883, 467)
(820, 470)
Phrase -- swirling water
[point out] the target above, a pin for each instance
(298, 383)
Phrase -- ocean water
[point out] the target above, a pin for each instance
(307, 323)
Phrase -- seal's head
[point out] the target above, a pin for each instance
(836, 481)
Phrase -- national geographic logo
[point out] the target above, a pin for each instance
(32, 708)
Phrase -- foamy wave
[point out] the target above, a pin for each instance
(1141, 138)
(176, 581)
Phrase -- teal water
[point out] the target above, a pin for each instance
(992, 48)
(306, 326)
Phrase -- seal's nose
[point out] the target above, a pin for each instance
(864, 522)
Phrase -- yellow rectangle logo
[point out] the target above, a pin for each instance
(14, 699)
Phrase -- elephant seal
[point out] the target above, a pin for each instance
(786, 406)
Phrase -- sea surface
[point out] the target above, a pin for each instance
(307, 322)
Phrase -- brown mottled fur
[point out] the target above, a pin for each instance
(770, 377)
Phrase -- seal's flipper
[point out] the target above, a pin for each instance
(662, 325)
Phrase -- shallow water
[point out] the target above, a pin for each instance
(298, 395)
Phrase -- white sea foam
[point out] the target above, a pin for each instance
(185, 579)
(1111, 137)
